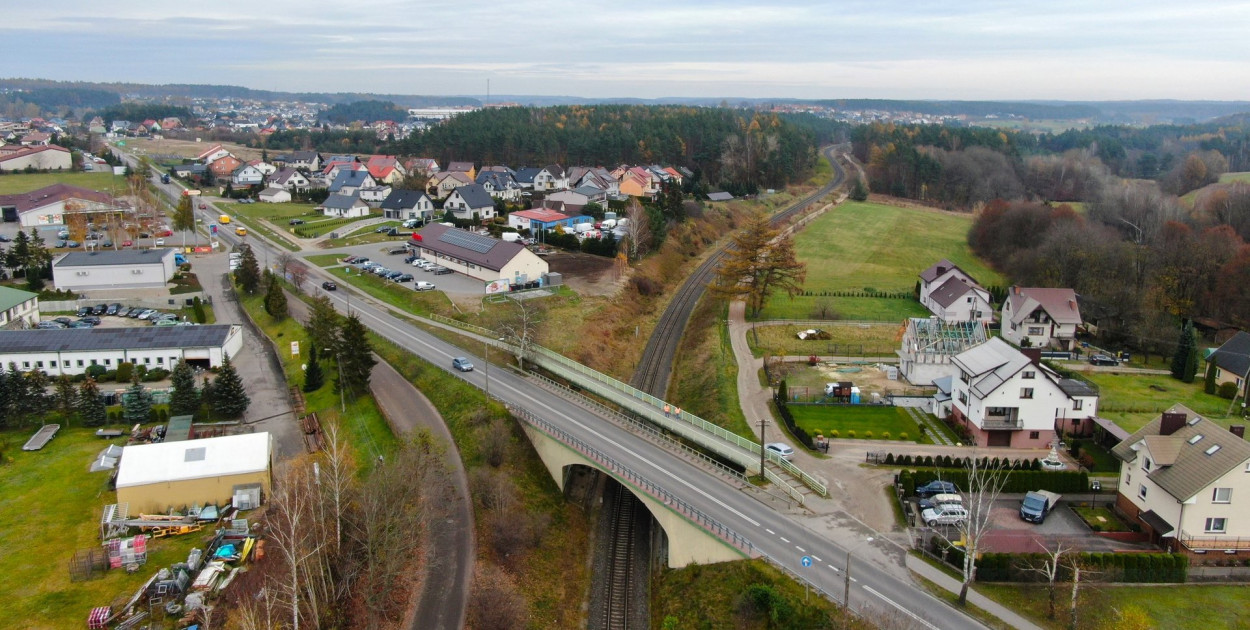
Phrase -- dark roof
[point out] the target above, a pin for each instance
(484, 251)
(142, 338)
(48, 195)
(940, 267)
(1193, 464)
(109, 257)
(401, 199)
(303, 156)
(720, 196)
(341, 202)
(954, 288)
(460, 167)
(1074, 387)
(499, 180)
(526, 175)
(1234, 355)
(349, 178)
(555, 169)
(476, 196)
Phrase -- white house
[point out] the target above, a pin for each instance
(18, 309)
(482, 257)
(500, 185)
(408, 205)
(72, 350)
(470, 202)
(551, 177)
(265, 168)
(97, 272)
(1006, 398)
(247, 175)
(274, 194)
(929, 344)
(290, 179)
(348, 182)
(960, 301)
(344, 206)
(1040, 318)
(1186, 481)
(374, 195)
(580, 197)
(212, 154)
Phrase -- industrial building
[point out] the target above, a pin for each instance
(73, 350)
(106, 269)
(230, 470)
(482, 257)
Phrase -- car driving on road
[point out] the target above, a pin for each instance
(462, 364)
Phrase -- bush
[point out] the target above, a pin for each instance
(96, 371)
(885, 435)
(868, 435)
(834, 434)
(155, 375)
(1227, 390)
(125, 371)
(904, 436)
(850, 434)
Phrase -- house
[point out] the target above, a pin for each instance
(424, 166)
(499, 185)
(385, 169)
(40, 158)
(1186, 481)
(441, 184)
(72, 350)
(937, 274)
(1232, 361)
(348, 182)
(470, 202)
(102, 270)
(49, 205)
(265, 168)
(333, 168)
(597, 177)
(463, 167)
(580, 197)
(1004, 397)
(36, 138)
(304, 161)
(525, 177)
(541, 219)
(639, 182)
(1040, 318)
(930, 343)
(482, 257)
(344, 206)
(958, 300)
(290, 179)
(232, 470)
(18, 309)
(407, 205)
(224, 167)
(551, 177)
(196, 170)
(247, 175)
(374, 195)
(211, 154)
(274, 194)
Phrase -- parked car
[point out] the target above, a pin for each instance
(462, 364)
(349, 260)
(360, 259)
(91, 319)
(940, 500)
(393, 275)
(99, 309)
(166, 322)
(424, 286)
(49, 325)
(160, 242)
(106, 243)
(295, 222)
(5, 238)
(329, 286)
(422, 263)
(60, 244)
(382, 229)
(63, 234)
(946, 515)
(409, 260)
(72, 244)
(936, 487)
(781, 449)
(64, 321)
(404, 277)
(439, 271)
(397, 250)
(84, 311)
(1037, 504)
(1103, 359)
(128, 243)
(147, 313)
(81, 324)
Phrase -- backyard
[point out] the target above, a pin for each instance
(867, 248)
(1132, 400)
(856, 421)
(845, 340)
(1166, 606)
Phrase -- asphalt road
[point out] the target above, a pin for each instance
(873, 590)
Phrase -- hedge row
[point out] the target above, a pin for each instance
(892, 295)
(788, 418)
(1102, 567)
(946, 461)
(1018, 481)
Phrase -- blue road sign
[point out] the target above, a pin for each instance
(806, 561)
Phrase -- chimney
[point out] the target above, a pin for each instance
(1034, 355)
(1238, 430)
(941, 269)
(1171, 423)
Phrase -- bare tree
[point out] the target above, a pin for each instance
(299, 275)
(496, 603)
(1050, 570)
(336, 482)
(637, 230)
(284, 260)
(290, 528)
(520, 327)
(985, 483)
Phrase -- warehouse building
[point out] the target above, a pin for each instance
(482, 257)
(73, 350)
(18, 309)
(231, 470)
(122, 269)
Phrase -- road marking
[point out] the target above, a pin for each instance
(800, 549)
(784, 539)
(900, 608)
(835, 569)
(770, 531)
(817, 559)
(855, 580)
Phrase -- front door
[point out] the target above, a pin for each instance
(999, 438)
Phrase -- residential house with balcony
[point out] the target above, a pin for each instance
(500, 185)
(470, 202)
(1186, 481)
(954, 296)
(1007, 398)
(408, 205)
(443, 183)
(551, 178)
(290, 179)
(1041, 318)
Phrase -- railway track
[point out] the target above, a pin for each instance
(617, 614)
(655, 367)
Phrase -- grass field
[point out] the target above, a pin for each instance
(1132, 400)
(25, 182)
(864, 339)
(257, 227)
(862, 419)
(1102, 518)
(867, 246)
(275, 210)
(50, 507)
(325, 260)
(1190, 606)
(398, 294)
(1235, 177)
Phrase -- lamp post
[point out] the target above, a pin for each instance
(763, 423)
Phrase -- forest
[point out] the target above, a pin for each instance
(368, 111)
(139, 112)
(747, 150)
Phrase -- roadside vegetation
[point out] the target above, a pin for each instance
(711, 394)
(1162, 606)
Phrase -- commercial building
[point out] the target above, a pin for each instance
(482, 257)
(48, 206)
(231, 470)
(107, 269)
(18, 309)
(73, 350)
(542, 219)
(40, 158)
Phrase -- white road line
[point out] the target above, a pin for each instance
(770, 531)
(835, 569)
(855, 580)
(800, 549)
(784, 539)
(817, 559)
(900, 608)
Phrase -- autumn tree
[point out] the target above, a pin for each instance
(184, 214)
(759, 263)
(637, 230)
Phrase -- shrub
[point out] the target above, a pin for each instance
(850, 434)
(834, 434)
(868, 435)
(1227, 390)
(904, 436)
(125, 370)
(889, 459)
(96, 371)
(885, 435)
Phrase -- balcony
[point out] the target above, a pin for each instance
(1002, 420)
(1214, 543)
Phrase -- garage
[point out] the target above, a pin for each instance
(230, 470)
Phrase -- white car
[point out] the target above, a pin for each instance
(780, 449)
(423, 286)
(944, 515)
(160, 242)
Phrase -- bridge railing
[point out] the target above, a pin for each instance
(654, 490)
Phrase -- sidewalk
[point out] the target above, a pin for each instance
(931, 573)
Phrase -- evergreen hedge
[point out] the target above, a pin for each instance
(1018, 481)
(1168, 568)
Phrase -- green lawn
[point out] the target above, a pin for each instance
(1104, 461)
(1102, 518)
(859, 339)
(866, 246)
(325, 260)
(399, 294)
(1132, 400)
(26, 182)
(274, 210)
(1235, 177)
(861, 419)
(257, 227)
(1190, 606)
(50, 507)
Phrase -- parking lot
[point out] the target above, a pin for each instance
(1010, 533)
(105, 320)
(454, 284)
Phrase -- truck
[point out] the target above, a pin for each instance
(510, 237)
(1037, 504)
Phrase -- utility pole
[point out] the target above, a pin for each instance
(846, 592)
(486, 345)
(763, 423)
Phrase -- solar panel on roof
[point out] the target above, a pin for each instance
(472, 242)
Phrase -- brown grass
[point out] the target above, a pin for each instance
(875, 339)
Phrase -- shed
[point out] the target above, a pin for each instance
(234, 470)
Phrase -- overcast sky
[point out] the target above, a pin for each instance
(939, 49)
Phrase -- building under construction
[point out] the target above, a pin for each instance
(929, 344)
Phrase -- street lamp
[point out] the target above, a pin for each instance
(763, 423)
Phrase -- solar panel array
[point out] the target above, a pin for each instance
(146, 338)
(469, 241)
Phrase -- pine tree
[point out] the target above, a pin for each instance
(1208, 384)
(184, 398)
(1184, 356)
(275, 298)
(248, 274)
(859, 192)
(90, 405)
(137, 407)
(66, 395)
(1191, 358)
(355, 358)
(323, 323)
(230, 398)
(759, 264)
(314, 378)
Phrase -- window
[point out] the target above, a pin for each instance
(147, 360)
(1145, 464)
(1222, 495)
(1026, 392)
(963, 397)
(65, 363)
(1195, 438)
(1029, 374)
(1033, 435)
(80, 363)
(1217, 525)
(1035, 330)
(1077, 405)
(39, 364)
(160, 360)
(1141, 491)
(93, 362)
(25, 365)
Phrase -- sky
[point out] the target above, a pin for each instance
(939, 49)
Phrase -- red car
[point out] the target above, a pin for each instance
(203, 206)
(128, 243)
